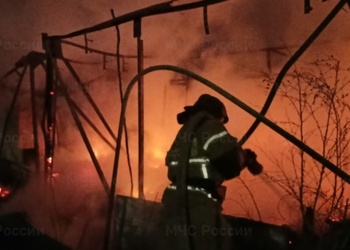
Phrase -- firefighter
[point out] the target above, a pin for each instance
(202, 156)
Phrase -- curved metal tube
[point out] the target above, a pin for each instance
(290, 63)
(245, 107)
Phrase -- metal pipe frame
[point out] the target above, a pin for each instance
(12, 106)
(140, 97)
(156, 9)
(89, 98)
(292, 60)
(34, 118)
(82, 132)
(110, 213)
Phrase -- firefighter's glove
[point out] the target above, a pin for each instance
(251, 162)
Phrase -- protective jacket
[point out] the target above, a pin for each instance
(215, 155)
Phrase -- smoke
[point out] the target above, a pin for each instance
(235, 31)
(231, 56)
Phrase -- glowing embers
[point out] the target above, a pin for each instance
(12, 177)
(49, 163)
(49, 160)
(54, 175)
(4, 192)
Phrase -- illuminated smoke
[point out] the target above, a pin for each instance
(227, 56)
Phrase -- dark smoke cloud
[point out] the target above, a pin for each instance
(237, 31)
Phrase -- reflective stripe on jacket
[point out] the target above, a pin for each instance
(215, 154)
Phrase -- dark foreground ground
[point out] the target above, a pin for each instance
(137, 228)
(247, 234)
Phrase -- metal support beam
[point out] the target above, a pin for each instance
(91, 124)
(34, 118)
(111, 211)
(12, 106)
(156, 9)
(290, 63)
(89, 97)
(49, 123)
(83, 134)
(291, 138)
(137, 34)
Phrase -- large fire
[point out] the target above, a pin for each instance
(158, 158)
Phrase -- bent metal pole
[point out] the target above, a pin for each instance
(111, 203)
